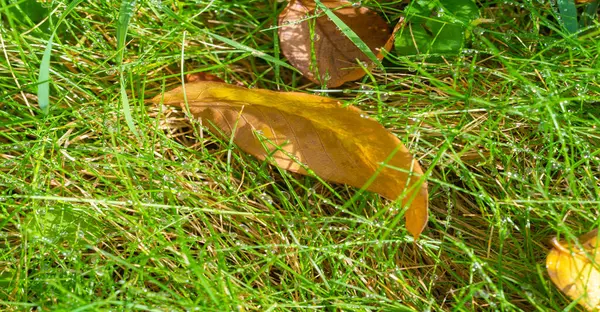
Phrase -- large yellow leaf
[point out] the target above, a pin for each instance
(576, 271)
(340, 144)
(317, 48)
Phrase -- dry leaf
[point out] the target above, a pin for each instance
(340, 144)
(576, 272)
(324, 54)
(202, 77)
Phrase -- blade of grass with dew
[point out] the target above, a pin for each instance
(589, 14)
(348, 32)
(125, 13)
(43, 91)
(254, 52)
(233, 43)
(568, 15)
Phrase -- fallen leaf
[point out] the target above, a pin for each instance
(313, 44)
(202, 77)
(338, 143)
(576, 271)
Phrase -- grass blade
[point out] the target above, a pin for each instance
(589, 14)
(125, 13)
(349, 33)
(43, 91)
(254, 52)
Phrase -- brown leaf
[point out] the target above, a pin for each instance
(202, 77)
(340, 144)
(576, 271)
(325, 54)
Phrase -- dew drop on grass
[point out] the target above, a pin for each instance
(266, 198)
(182, 196)
(156, 3)
(47, 240)
(440, 12)
(482, 294)
(555, 165)
(476, 267)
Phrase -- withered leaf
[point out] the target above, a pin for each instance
(340, 144)
(202, 76)
(576, 271)
(320, 51)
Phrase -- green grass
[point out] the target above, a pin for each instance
(95, 217)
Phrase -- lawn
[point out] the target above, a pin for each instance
(112, 203)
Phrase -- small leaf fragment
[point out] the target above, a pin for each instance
(338, 143)
(576, 271)
(314, 44)
(436, 27)
(202, 77)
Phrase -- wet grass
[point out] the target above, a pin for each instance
(98, 216)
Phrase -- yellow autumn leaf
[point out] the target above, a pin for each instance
(576, 271)
(338, 143)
